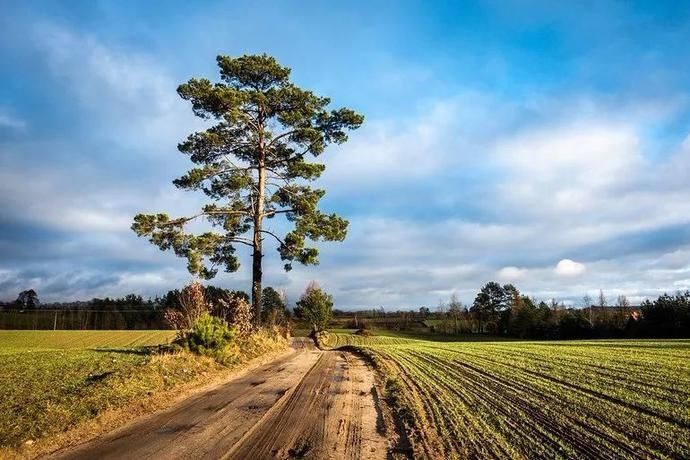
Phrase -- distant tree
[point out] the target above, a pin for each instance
(602, 299)
(273, 307)
(271, 299)
(667, 316)
(524, 318)
(622, 301)
(315, 306)
(214, 294)
(574, 325)
(454, 311)
(170, 299)
(424, 312)
(510, 292)
(252, 166)
(587, 303)
(442, 314)
(491, 299)
(27, 299)
(133, 300)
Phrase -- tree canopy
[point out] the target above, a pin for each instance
(316, 307)
(273, 306)
(252, 165)
(27, 299)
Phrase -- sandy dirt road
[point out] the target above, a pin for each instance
(305, 404)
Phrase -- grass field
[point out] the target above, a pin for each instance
(51, 381)
(576, 399)
(25, 340)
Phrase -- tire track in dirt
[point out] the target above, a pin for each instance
(305, 404)
(331, 414)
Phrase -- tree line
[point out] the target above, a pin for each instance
(130, 311)
(502, 310)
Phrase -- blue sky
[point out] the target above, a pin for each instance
(531, 142)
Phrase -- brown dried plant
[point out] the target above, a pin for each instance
(192, 304)
(237, 311)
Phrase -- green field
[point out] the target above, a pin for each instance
(26, 340)
(51, 381)
(570, 399)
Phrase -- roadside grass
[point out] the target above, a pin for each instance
(566, 399)
(54, 381)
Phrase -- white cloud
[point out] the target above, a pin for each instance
(512, 273)
(569, 168)
(135, 116)
(387, 151)
(567, 267)
(94, 204)
(131, 96)
(439, 136)
(588, 181)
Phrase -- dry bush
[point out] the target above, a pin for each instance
(174, 318)
(192, 305)
(237, 312)
(283, 330)
(231, 308)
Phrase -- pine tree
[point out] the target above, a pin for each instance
(252, 165)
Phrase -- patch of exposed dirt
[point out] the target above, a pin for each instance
(331, 414)
(306, 404)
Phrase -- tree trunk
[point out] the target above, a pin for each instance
(257, 255)
(256, 279)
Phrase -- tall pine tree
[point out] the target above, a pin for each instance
(252, 165)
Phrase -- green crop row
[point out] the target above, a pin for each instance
(576, 399)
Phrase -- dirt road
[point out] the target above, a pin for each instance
(306, 404)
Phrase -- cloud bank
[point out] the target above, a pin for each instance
(562, 192)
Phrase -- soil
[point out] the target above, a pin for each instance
(306, 404)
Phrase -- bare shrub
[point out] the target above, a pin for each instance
(237, 312)
(192, 305)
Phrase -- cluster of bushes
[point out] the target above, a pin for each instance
(209, 325)
(217, 326)
(207, 335)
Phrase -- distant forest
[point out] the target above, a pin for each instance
(499, 310)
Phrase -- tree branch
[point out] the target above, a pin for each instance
(184, 220)
(281, 211)
(242, 240)
(288, 133)
(274, 236)
(297, 156)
